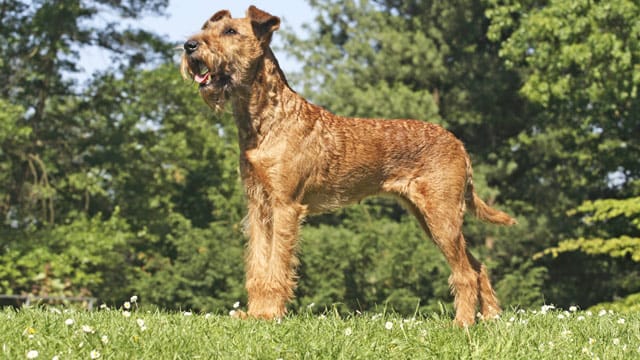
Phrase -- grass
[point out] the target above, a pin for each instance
(109, 334)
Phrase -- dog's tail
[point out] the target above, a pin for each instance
(486, 213)
(480, 209)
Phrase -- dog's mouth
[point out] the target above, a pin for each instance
(205, 77)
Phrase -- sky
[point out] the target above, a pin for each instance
(184, 18)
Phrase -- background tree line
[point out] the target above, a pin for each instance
(127, 183)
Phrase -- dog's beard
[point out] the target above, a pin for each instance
(215, 83)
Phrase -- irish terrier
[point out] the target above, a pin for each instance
(297, 158)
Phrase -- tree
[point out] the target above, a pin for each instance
(578, 61)
(106, 184)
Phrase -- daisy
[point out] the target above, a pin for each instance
(388, 325)
(32, 354)
(95, 354)
(88, 329)
(141, 324)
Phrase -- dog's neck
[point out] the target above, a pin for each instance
(262, 106)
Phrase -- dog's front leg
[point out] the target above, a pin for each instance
(271, 261)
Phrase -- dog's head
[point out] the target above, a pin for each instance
(222, 57)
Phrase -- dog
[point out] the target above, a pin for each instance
(297, 158)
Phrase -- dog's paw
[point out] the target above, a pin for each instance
(238, 314)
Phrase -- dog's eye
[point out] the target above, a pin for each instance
(230, 31)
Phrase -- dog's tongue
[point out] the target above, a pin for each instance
(202, 79)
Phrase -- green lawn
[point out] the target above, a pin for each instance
(47, 333)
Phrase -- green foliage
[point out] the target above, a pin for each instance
(627, 305)
(369, 264)
(602, 211)
(127, 183)
(84, 256)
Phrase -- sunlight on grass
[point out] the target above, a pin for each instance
(132, 332)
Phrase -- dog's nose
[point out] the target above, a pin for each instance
(190, 46)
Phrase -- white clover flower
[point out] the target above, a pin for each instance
(104, 339)
(187, 313)
(322, 316)
(580, 318)
(388, 325)
(545, 308)
(348, 331)
(126, 314)
(141, 324)
(104, 307)
(134, 299)
(127, 305)
(512, 319)
(69, 322)
(55, 357)
(592, 341)
(311, 305)
(589, 313)
(621, 321)
(236, 304)
(94, 354)
(573, 308)
(207, 315)
(376, 317)
(32, 354)
(602, 312)
(616, 341)
(232, 313)
(521, 311)
(561, 316)
(88, 329)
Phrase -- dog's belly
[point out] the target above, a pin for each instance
(324, 199)
(318, 203)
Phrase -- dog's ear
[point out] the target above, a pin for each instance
(264, 24)
(216, 17)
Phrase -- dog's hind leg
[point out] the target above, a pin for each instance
(489, 306)
(440, 215)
